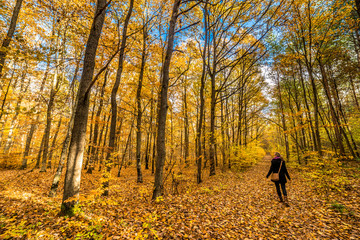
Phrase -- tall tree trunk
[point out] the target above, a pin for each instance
(95, 146)
(186, 127)
(223, 144)
(283, 121)
(163, 105)
(64, 151)
(91, 131)
(126, 148)
(335, 119)
(150, 133)
(53, 91)
(307, 105)
(105, 147)
(78, 135)
(139, 110)
(114, 91)
(199, 156)
(38, 158)
(47, 130)
(53, 144)
(6, 92)
(35, 123)
(66, 142)
(23, 90)
(6, 43)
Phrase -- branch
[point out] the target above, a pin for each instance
(101, 71)
(187, 27)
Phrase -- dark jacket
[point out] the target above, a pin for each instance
(275, 165)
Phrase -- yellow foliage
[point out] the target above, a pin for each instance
(244, 157)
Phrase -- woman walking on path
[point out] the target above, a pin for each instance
(278, 166)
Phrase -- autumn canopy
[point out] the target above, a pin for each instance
(155, 119)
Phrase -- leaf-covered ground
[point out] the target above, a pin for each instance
(227, 206)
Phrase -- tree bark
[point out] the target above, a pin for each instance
(186, 127)
(78, 135)
(283, 121)
(163, 105)
(139, 110)
(53, 144)
(112, 134)
(94, 146)
(335, 118)
(6, 43)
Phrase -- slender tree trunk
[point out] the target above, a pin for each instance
(163, 105)
(335, 120)
(87, 161)
(23, 90)
(150, 133)
(6, 94)
(126, 148)
(114, 91)
(38, 158)
(6, 43)
(153, 155)
(47, 131)
(105, 147)
(94, 147)
(139, 110)
(186, 127)
(283, 121)
(66, 142)
(35, 123)
(199, 156)
(78, 135)
(223, 144)
(64, 151)
(307, 106)
(53, 144)
(204, 152)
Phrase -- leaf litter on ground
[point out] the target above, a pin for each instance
(229, 205)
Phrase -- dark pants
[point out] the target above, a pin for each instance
(277, 184)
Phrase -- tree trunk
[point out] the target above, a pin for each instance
(334, 116)
(53, 144)
(78, 135)
(47, 130)
(91, 132)
(212, 126)
(112, 135)
(139, 110)
(35, 123)
(94, 147)
(6, 43)
(186, 128)
(163, 105)
(126, 148)
(307, 106)
(105, 148)
(38, 158)
(65, 145)
(283, 121)
(64, 151)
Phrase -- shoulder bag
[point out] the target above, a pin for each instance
(275, 176)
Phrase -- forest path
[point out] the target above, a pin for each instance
(246, 206)
(229, 205)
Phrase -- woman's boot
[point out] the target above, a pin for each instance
(280, 199)
(286, 201)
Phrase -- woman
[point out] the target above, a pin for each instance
(275, 165)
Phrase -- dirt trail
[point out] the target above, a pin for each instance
(226, 206)
(255, 203)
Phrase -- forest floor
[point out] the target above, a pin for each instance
(226, 206)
